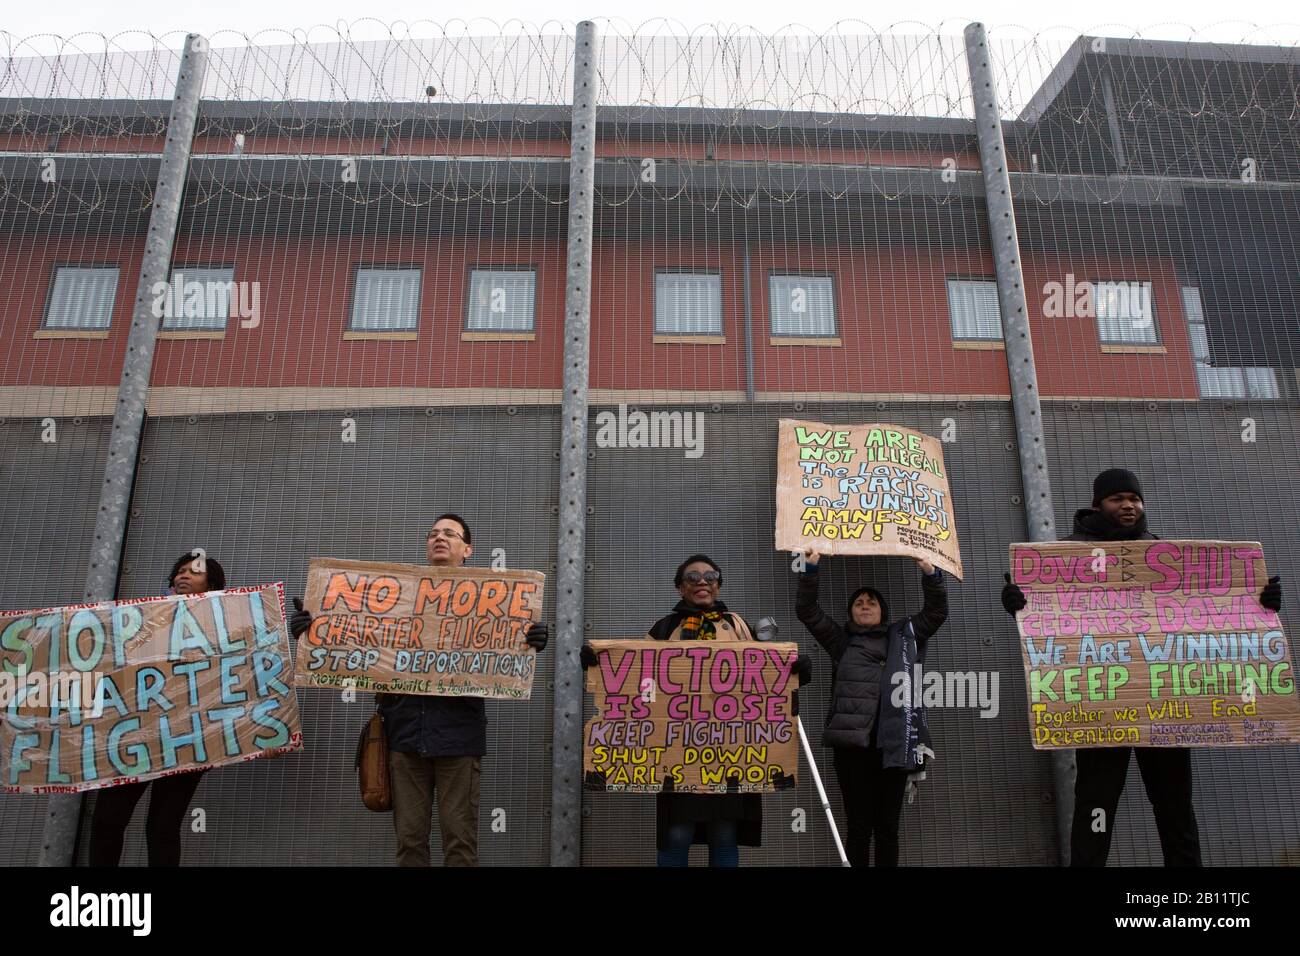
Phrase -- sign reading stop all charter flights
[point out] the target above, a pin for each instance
(864, 489)
(98, 695)
(1152, 644)
(403, 629)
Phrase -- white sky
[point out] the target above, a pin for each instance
(1269, 21)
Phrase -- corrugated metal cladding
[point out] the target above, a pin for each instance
(224, 483)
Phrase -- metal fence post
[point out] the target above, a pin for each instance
(571, 548)
(1025, 402)
(63, 816)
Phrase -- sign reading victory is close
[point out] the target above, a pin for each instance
(864, 489)
(1152, 644)
(692, 717)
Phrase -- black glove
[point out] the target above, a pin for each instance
(1271, 596)
(299, 620)
(803, 669)
(537, 637)
(1013, 599)
(587, 655)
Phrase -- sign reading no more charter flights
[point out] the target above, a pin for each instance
(179, 683)
(406, 629)
(1152, 644)
(864, 489)
(692, 717)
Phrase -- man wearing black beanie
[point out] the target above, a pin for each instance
(1118, 513)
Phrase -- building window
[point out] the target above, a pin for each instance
(688, 303)
(1125, 315)
(502, 300)
(973, 309)
(386, 300)
(1222, 382)
(802, 305)
(81, 298)
(198, 299)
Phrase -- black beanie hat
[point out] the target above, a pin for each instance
(880, 599)
(1112, 481)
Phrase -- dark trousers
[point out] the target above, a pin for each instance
(1167, 777)
(169, 798)
(721, 836)
(873, 800)
(455, 782)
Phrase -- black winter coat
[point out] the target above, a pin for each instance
(1092, 525)
(435, 726)
(863, 661)
(745, 808)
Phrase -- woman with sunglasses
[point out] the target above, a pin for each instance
(724, 822)
(192, 573)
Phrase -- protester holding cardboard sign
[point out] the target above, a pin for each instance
(724, 822)
(194, 572)
(436, 742)
(1118, 513)
(879, 736)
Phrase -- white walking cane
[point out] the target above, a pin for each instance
(767, 630)
(821, 792)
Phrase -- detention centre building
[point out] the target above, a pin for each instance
(396, 266)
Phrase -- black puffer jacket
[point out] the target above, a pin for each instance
(1092, 525)
(863, 661)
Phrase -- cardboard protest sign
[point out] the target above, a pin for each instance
(1152, 644)
(864, 489)
(403, 629)
(96, 695)
(691, 717)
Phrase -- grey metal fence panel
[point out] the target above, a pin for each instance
(1245, 798)
(262, 497)
(47, 514)
(988, 798)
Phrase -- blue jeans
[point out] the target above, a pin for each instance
(721, 836)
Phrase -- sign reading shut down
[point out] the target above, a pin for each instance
(1152, 644)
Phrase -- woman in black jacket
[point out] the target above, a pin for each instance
(878, 736)
(192, 573)
(723, 821)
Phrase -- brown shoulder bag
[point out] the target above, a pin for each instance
(372, 766)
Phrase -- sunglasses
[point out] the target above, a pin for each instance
(697, 577)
